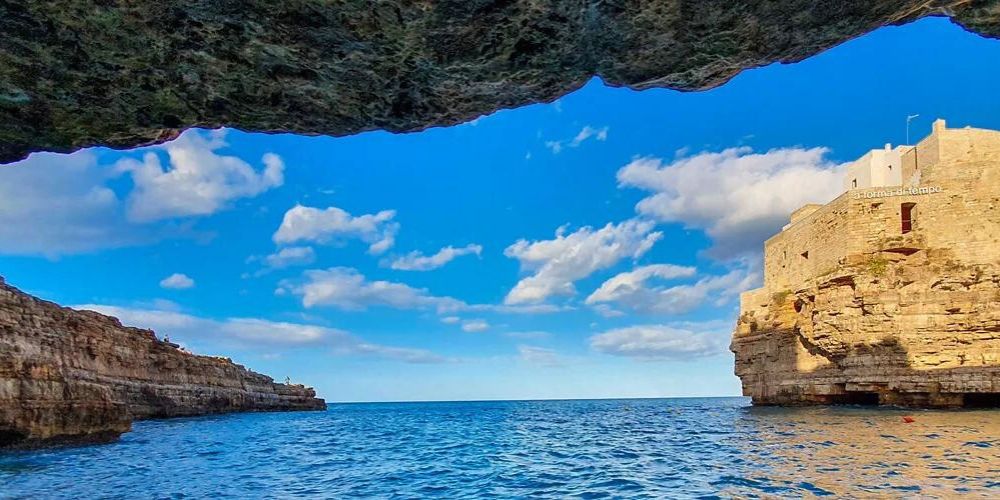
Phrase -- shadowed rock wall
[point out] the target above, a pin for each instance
(79, 376)
(76, 73)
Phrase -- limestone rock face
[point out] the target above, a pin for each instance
(79, 376)
(77, 73)
(887, 294)
(923, 332)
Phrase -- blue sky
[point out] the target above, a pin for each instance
(592, 247)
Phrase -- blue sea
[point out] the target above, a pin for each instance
(653, 448)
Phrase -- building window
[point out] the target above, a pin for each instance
(805, 255)
(854, 183)
(906, 216)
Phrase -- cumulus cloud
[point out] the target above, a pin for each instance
(539, 356)
(310, 224)
(660, 342)
(177, 281)
(475, 325)
(636, 290)
(197, 181)
(347, 289)
(284, 258)
(257, 333)
(628, 282)
(451, 320)
(738, 197)
(417, 261)
(56, 204)
(557, 263)
(291, 256)
(607, 311)
(519, 308)
(586, 133)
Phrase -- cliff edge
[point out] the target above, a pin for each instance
(889, 294)
(69, 376)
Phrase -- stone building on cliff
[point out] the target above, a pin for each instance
(890, 293)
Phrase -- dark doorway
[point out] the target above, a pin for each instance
(906, 216)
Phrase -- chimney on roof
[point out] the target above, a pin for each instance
(888, 147)
(939, 125)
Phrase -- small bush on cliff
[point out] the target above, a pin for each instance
(877, 266)
(780, 297)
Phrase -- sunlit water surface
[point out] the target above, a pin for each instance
(554, 449)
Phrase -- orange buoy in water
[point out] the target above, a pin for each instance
(908, 420)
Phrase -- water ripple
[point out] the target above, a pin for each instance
(547, 449)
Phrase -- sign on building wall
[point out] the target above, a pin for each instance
(902, 191)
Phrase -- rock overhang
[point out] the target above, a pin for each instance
(122, 74)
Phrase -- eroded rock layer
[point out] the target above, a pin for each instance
(886, 295)
(77, 73)
(80, 376)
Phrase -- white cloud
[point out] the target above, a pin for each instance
(198, 180)
(586, 133)
(559, 262)
(287, 257)
(291, 256)
(607, 311)
(659, 342)
(475, 325)
(738, 197)
(303, 223)
(539, 356)
(518, 309)
(627, 282)
(281, 259)
(346, 288)
(633, 290)
(55, 204)
(450, 320)
(177, 281)
(417, 261)
(257, 333)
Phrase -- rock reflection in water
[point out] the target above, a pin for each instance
(858, 451)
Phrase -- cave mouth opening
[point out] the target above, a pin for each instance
(981, 400)
(10, 437)
(862, 398)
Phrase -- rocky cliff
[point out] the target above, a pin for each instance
(79, 376)
(77, 73)
(920, 331)
(889, 294)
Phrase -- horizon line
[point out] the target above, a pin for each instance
(504, 400)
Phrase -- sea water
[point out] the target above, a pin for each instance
(540, 449)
